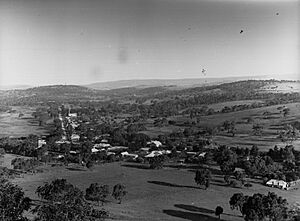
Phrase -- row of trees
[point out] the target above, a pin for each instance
(60, 200)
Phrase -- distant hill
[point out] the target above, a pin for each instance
(14, 87)
(145, 90)
(185, 82)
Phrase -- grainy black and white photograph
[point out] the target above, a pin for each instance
(149, 110)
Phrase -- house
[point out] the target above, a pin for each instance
(155, 142)
(190, 153)
(102, 145)
(75, 137)
(95, 150)
(157, 153)
(278, 183)
(73, 115)
(116, 148)
(41, 142)
(73, 152)
(202, 154)
(62, 142)
(129, 156)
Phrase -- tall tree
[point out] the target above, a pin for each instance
(203, 177)
(119, 191)
(227, 159)
(97, 193)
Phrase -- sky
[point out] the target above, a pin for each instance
(86, 41)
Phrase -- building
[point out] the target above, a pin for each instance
(73, 115)
(154, 142)
(41, 142)
(129, 156)
(278, 183)
(75, 137)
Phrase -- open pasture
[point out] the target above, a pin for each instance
(269, 117)
(13, 125)
(168, 194)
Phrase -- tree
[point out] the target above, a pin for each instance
(254, 150)
(64, 202)
(12, 202)
(229, 126)
(219, 210)
(288, 155)
(138, 141)
(240, 176)
(257, 129)
(157, 162)
(203, 177)
(260, 206)
(237, 201)
(286, 111)
(119, 192)
(289, 134)
(227, 159)
(97, 193)
(89, 164)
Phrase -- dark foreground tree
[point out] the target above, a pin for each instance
(97, 193)
(237, 201)
(203, 177)
(219, 210)
(64, 202)
(12, 202)
(259, 207)
(119, 192)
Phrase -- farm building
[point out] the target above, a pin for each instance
(278, 183)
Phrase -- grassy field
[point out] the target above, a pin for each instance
(168, 194)
(13, 125)
(272, 124)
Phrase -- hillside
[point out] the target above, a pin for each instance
(211, 93)
(185, 82)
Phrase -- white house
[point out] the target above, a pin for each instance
(72, 114)
(157, 153)
(95, 150)
(202, 154)
(278, 183)
(62, 142)
(41, 142)
(155, 142)
(129, 155)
